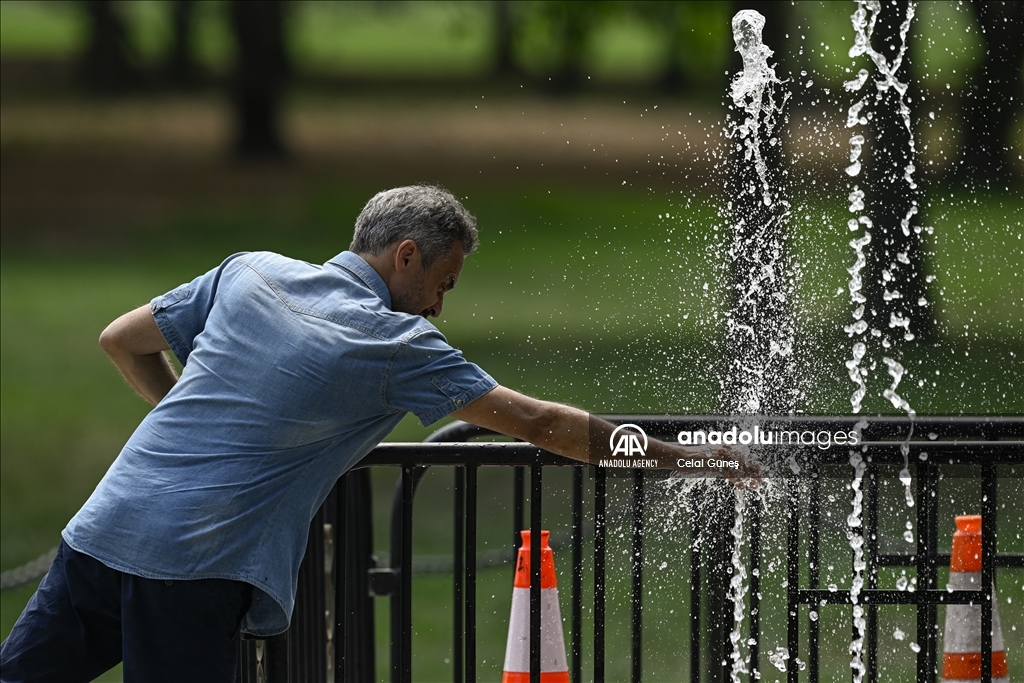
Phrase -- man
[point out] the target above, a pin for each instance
(291, 373)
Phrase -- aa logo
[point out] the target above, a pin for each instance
(629, 441)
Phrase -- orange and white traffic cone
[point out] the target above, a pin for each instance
(961, 647)
(553, 666)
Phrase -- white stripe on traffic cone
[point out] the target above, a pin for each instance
(961, 646)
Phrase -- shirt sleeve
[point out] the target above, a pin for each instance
(430, 379)
(181, 313)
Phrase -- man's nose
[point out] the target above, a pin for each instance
(435, 309)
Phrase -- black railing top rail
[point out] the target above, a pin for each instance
(523, 454)
(957, 439)
(876, 427)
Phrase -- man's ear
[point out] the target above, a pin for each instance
(405, 253)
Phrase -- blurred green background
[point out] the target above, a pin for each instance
(138, 151)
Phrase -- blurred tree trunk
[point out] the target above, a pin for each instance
(572, 22)
(504, 39)
(107, 63)
(895, 284)
(994, 96)
(714, 522)
(181, 66)
(669, 16)
(260, 77)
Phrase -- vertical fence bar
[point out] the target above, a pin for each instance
(518, 516)
(813, 570)
(638, 575)
(988, 558)
(401, 565)
(695, 600)
(871, 522)
(576, 638)
(340, 581)
(930, 500)
(405, 574)
(535, 602)
(755, 585)
(600, 520)
(793, 580)
(275, 658)
(471, 522)
(921, 567)
(458, 575)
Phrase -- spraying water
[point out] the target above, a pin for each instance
(865, 19)
(856, 539)
(760, 377)
(737, 592)
(749, 89)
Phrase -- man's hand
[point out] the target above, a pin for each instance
(749, 475)
(135, 345)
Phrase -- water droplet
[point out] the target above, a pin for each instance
(778, 658)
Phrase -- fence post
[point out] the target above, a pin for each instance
(716, 554)
(638, 575)
(360, 651)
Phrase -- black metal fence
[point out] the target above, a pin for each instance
(332, 633)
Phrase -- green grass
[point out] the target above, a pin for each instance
(595, 298)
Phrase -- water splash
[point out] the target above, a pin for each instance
(778, 658)
(864, 20)
(750, 88)
(855, 537)
(760, 332)
(737, 592)
(896, 371)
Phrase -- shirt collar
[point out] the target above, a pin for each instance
(355, 264)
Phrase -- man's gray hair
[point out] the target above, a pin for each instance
(430, 216)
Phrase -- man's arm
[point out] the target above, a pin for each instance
(135, 345)
(561, 429)
(569, 432)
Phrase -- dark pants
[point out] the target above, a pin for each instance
(86, 617)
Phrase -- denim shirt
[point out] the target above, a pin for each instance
(292, 373)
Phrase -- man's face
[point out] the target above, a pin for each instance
(421, 292)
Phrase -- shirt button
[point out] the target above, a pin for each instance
(168, 582)
(459, 402)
